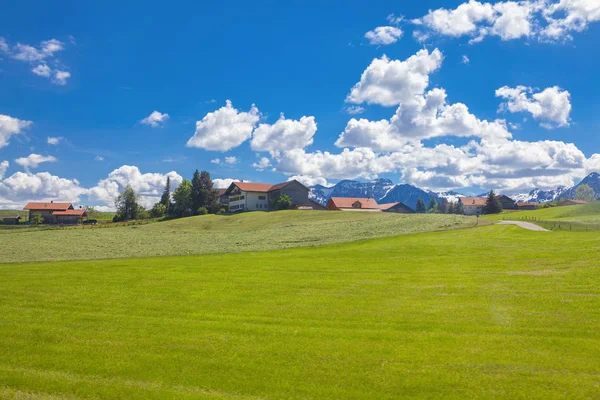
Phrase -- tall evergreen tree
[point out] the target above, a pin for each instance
(420, 208)
(433, 206)
(198, 192)
(165, 199)
(450, 208)
(209, 194)
(492, 204)
(459, 208)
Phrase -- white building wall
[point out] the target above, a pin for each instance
(257, 201)
(473, 210)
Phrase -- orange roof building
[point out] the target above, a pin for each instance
(353, 204)
(56, 213)
(249, 196)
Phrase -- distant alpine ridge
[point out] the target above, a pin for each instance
(385, 191)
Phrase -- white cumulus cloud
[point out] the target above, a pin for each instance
(285, 134)
(10, 126)
(262, 164)
(231, 160)
(54, 140)
(61, 77)
(42, 70)
(384, 35)
(392, 82)
(3, 167)
(224, 129)
(33, 160)
(155, 119)
(552, 106)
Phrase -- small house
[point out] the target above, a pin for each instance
(473, 205)
(524, 206)
(56, 213)
(400, 208)
(506, 202)
(353, 204)
(247, 196)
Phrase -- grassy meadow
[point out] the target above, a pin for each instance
(255, 231)
(579, 218)
(490, 312)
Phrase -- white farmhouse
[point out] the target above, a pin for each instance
(247, 196)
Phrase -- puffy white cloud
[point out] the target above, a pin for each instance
(224, 129)
(545, 20)
(3, 167)
(308, 180)
(215, 161)
(3, 45)
(262, 164)
(384, 35)
(42, 70)
(568, 16)
(425, 117)
(354, 110)
(392, 82)
(231, 160)
(10, 126)
(285, 134)
(155, 119)
(465, 60)
(61, 77)
(148, 186)
(33, 160)
(21, 187)
(54, 140)
(224, 183)
(47, 48)
(552, 106)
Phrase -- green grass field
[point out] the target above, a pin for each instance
(490, 312)
(214, 234)
(580, 218)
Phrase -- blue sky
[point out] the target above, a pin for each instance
(102, 68)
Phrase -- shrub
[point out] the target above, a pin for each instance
(202, 211)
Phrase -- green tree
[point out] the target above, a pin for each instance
(158, 211)
(127, 206)
(420, 206)
(36, 218)
(183, 199)
(433, 206)
(459, 208)
(492, 204)
(283, 202)
(450, 208)
(585, 193)
(198, 192)
(209, 194)
(165, 199)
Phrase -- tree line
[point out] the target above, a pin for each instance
(492, 206)
(195, 197)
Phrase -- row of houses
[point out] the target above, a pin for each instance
(475, 205)
(51, 213)
(247, 196)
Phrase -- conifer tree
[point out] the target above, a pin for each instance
(433, 206)
(492, 204)
(459, 208)
(420, 208)
(165, 199)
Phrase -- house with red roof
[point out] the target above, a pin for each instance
(248, 196)
(56, 213)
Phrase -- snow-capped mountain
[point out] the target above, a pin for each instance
(376, 189)
(382, 190)
(540, 196)
(592, 180)
(451, 196)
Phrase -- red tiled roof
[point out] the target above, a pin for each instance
(79, 213)
(387, 206)
(279, 185)
(33, 206)
(578, 201)
(348, 202)
(473, 201)
(253, 187)
(527, 204)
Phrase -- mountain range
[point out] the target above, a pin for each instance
(385, 191)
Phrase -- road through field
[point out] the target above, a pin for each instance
(525, 225)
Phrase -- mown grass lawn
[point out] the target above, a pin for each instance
(578, 218)
(490, 312)
(256, 231)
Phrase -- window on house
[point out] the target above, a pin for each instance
(261, 197)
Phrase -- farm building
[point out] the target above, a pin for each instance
(522, 205)
(473, 205)
(246, 196)
(507, 202)
(353, 204)
(400, 208)
(11, 219)
(56, 213)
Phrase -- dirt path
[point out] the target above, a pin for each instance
(525, 225)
